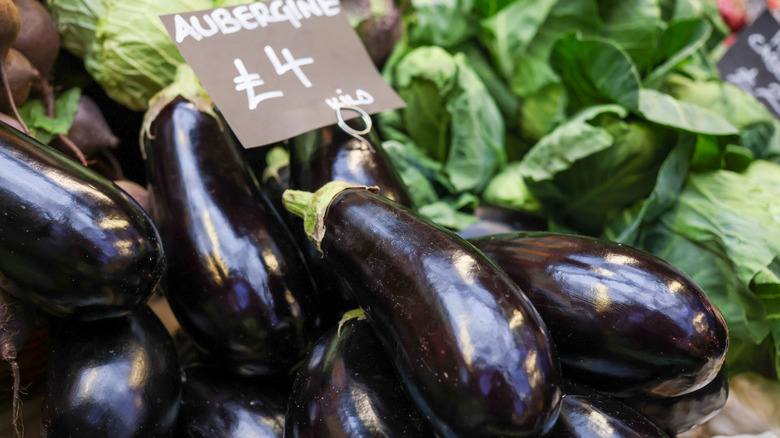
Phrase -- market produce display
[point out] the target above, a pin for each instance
(356, 285)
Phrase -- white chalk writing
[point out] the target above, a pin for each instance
(246, 81)
(362, 97)
(290, 64)
(768, 51)
(251, 16)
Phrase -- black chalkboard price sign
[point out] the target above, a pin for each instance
(753, 62)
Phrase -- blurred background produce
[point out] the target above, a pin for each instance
(605, 118)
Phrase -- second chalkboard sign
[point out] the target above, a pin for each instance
(753, 62)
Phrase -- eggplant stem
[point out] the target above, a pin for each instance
(297, 202)
(11, 102)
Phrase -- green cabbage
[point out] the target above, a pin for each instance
(125, 46)
(77, 22)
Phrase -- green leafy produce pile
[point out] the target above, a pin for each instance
(605, 118)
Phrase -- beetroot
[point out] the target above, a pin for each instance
(10, 23)
(90, 131)
(21, 75)
(38, 37)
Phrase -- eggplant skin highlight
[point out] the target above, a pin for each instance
(71, 242)
(624, 321)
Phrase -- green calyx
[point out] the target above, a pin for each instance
(187, 85)
(313, 206)
(358, 314)
(276, 159)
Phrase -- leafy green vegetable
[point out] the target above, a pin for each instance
(674, 10)
(508, 189)
(450, 116)
(133, 56)
(77, 22)
(501, 93)
(595, 71)
(508, 33)
(634, 25)
(678, 42)
(669, 183)
(445, 212)
(757, 127)
(587, 170)
(580, 16)
(666, 110)
(413, 172)
(43, 127)
(443, 23)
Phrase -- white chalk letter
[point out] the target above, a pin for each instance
(227, 24)
(183, 29)
(244, 16)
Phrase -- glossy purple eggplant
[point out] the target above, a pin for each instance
(236, 280)
(624, 321)
(676, 415)
(329, 154)
(116, 377)
(588, 414)
(71, 242)
(348, 388)
(469, 346)
(217, 404)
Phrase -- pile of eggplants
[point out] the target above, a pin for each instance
(515, 334)
(489, 336)
(83, 253)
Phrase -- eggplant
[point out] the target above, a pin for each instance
(330, 154)
(236, 280)
(624, 321)
(347, 388)
(217, 404)
(71, 242)
(471, 350)
(587, 414)
(116, 377)
(676, 415)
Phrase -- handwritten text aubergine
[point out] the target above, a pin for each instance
(252, 16)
